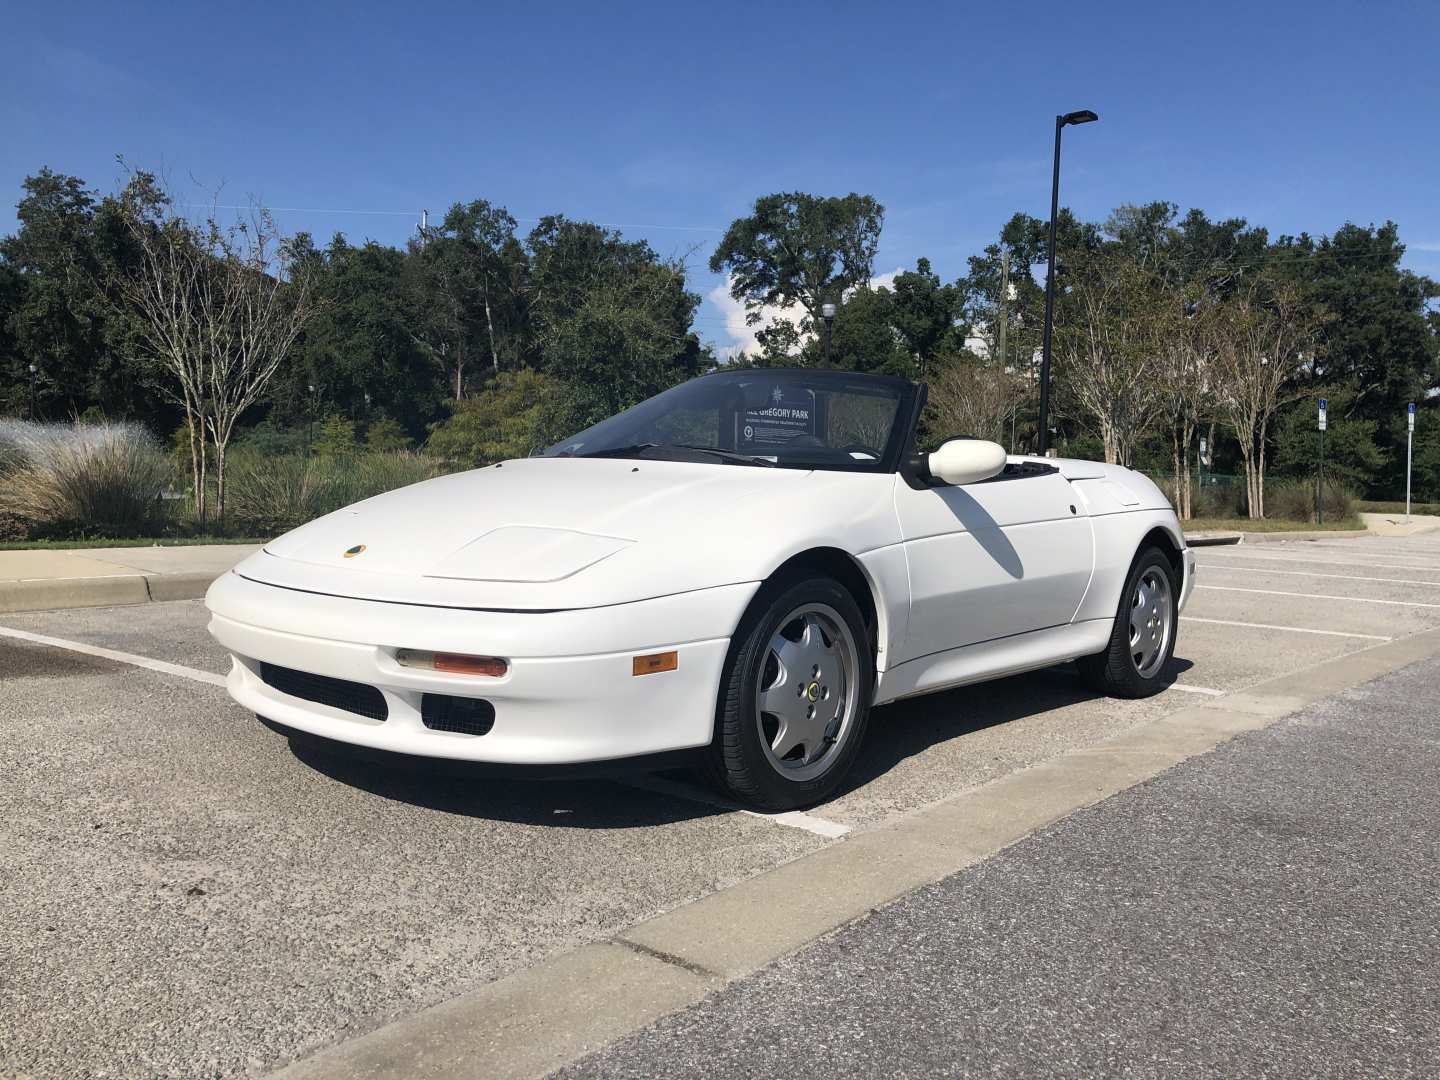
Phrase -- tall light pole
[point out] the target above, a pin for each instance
(827, 312)
(32, 391)
(1083, 116)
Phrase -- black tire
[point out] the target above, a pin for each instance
(1114, 671)
(739, 760)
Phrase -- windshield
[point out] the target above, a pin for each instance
(794, 419)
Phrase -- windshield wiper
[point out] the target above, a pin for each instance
(620, 451)
(725, 455)
(636, 449)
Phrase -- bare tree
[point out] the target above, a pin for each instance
(1185, 377)
(970, 397)
(1108, 351)
(218, 313)
(1264, 338)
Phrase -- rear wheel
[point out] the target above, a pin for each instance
(794, 697)
(1135, 663)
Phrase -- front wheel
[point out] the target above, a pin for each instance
(1135, 663)
(794, 696)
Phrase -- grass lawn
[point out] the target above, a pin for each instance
(1372, 507)
(163, 541)
(1245, 524)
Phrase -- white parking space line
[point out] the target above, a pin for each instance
(1292, 629)
(1187, 688)
(795, 819)
(1317, 596)
(1311, 573)
(831, 830)
(111, 654)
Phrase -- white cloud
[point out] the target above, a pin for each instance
(742, 335)
(886, 280)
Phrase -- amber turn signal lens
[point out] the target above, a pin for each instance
(458, 664)
(655, 662)
(452, 663)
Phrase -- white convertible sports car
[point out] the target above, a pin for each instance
(738, 568)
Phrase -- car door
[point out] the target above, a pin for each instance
(992, 559)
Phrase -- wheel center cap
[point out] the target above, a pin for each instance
(813, 691)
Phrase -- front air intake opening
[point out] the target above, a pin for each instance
(464, 716)
(351, 697)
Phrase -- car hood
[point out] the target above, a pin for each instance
(553, 533)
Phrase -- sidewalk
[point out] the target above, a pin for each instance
(1396, 525)
(35, 580)
(1271, 909)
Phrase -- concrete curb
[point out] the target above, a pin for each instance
(1320, 534)
(573, 1003)
(1212, 539)
(51, 594)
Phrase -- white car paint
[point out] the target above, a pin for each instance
(569, 567)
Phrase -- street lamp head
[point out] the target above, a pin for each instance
(1082, 116)
(827, 311)
(33, 369)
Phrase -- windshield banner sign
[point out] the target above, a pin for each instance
(787, 413)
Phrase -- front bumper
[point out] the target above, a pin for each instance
(569, 695)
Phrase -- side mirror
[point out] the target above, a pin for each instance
(965, 461)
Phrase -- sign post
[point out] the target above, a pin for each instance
(1320, 483)
(1409, 443)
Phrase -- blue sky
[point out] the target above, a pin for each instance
(669, 119)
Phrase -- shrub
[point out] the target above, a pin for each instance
(269, 438)
(266, 495)
(385, 435)
(337, 437)
(1294, 500)
(13, 527)
(374, 474)
(1220, 498)
(64, 480)
(271, 495)
(507, 419)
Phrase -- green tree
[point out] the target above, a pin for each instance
(925, 314)
(358, 350)
(795, 248)
(1351, 452)
(1381, 342)
(865, 337)
(69, 245)
(477, 243)
(1425, 477)
(14, 374)
(611, 320)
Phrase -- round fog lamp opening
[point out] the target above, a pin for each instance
(452, 663)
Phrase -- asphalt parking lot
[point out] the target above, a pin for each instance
(183, 895)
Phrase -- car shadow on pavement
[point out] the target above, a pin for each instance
(584, 800)
(910, 727)
(580, 802)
